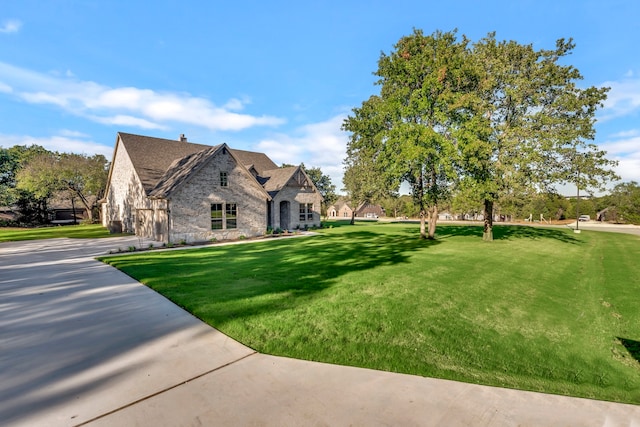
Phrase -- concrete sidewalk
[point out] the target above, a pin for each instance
(83, 344)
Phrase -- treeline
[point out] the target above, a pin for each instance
(620, 205)
(32, 177)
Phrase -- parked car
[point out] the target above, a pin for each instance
(584, 218)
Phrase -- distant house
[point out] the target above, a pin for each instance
(369, 210)
(173, 191)
(342, 209)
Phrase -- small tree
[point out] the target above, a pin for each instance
(626, 200)
(324, 185)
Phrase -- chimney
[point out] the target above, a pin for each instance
(183, 138)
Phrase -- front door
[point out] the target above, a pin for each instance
(284, 215)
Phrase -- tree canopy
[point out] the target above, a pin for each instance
(31, 176)
(489, 120)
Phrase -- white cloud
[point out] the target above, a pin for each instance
(62, 143)
(320, 145)
(5, 88)
(10, 26)
(622, 99)
(73, 133)
(625, 148)
(124, 120)
(132, 106)
(626, 133)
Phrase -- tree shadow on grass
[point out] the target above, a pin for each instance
(507, 232)
(265, 276)
(632, 346)
(277, 275)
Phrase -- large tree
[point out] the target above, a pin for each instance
(409, 132)
(537, 123)
(493, 119)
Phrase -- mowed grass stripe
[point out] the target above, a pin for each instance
(537, 309)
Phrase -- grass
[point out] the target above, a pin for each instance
(538, 309)
(88, 231)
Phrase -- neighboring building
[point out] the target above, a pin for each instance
(173, 191)
(368, 210)
(340, 209)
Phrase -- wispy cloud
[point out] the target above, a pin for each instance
(625, 148)
(623, 98)
(65, 142)
(10, 26)
(144, 108)
(320, 145)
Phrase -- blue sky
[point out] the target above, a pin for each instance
(277, 76)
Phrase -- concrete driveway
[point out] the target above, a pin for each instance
(83, 344)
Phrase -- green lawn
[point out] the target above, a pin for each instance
(11, 234)
(538, 309)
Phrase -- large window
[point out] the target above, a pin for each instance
(224, 216)
(232, 211)
(306, 212)
(216, 216)
(224, 179)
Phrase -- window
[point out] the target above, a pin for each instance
(306, 211)
(224, 216)
(224, 182)
(216, 216)
(232, 215)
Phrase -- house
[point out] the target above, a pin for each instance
(340, 209)
(174, 190)
(369, 210)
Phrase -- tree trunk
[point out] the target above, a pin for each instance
(73, 210)
(353, 217)
(433, 219)
(85, 202)
(423, 229)
(487, 234)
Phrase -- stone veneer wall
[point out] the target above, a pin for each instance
(125, 194)
(190, 206)
(296, 195)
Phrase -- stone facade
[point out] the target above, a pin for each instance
(285, 208)
(125, 194)
(190, 206)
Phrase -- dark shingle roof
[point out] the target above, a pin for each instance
(259, 161)
(152, 157)
(163, 164)
(275, 179)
